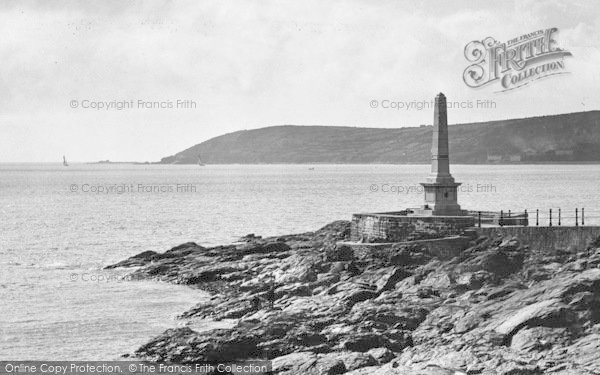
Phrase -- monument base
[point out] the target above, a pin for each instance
(453, 210)
(404, 226)
(441, 199)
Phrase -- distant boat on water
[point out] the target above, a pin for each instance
(200, 163)
(65, 161)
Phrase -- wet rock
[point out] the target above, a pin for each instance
(263, 248)
(339, 253)
(362, 342)
(317, 364)
(533, 313)
(456, 360)
(408, 255)
(183, 345)
(361, 295)
(294, 363)
(467, 323)
(427, 292)
(540, 338)
(351, 360)
(249, 237)
(181, 251)
(369, 370)
(394, 340)
(381, 355)
(136, 260)
(388, 315)
(309, 304)
(389, 280)
(337, 267)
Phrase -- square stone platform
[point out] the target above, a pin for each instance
(401, 226)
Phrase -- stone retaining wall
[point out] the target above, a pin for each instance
(546, 238)
(537, 238)
(391, 227)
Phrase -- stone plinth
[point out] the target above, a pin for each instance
(440, 199)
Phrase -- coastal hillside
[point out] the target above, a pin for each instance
(566, 137)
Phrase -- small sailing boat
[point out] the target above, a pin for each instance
(200, 163)
(65, 161)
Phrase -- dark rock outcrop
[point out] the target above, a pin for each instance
(312, 307)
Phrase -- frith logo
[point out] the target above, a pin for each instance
(515, 63)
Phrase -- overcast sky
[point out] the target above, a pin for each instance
(250, 64)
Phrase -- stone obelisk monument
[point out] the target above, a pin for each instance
(440, 188)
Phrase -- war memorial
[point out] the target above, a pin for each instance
(441, 223)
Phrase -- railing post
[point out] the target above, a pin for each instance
(550, 218)
(577, 217)
(526, 217)
(537, 217)
(582, 216)
(479, 218)
(501, 219)
(559, 216)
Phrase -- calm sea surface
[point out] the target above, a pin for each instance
(60, 225)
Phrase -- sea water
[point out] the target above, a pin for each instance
(59, 226)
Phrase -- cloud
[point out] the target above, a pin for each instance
(257, 63)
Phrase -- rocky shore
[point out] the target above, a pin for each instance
(498, 308)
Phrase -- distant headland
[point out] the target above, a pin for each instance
(564, 138)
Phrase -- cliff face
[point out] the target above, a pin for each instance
(567, 137)
(497, 308)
